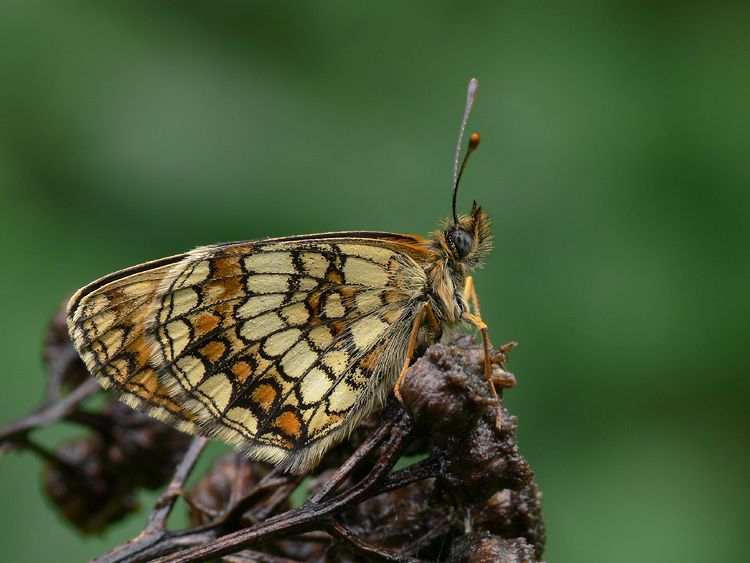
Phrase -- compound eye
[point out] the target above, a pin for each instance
(462, 242)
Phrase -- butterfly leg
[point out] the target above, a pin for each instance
(479, 323)
(470, 294)
(425, 315)
(476, 320)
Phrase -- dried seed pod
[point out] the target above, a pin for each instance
(483, 547)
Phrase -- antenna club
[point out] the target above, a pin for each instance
(474, 141)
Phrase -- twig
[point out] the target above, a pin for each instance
(370, 443)
(47, 415)
(157, 520)
(305, 518)
(358, 545)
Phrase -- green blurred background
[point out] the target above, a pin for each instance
(615, 164)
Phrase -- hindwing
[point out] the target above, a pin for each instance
(279, 346)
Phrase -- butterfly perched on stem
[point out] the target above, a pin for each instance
(280, 346)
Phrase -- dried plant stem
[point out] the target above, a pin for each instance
(310, 516)
(51, 412)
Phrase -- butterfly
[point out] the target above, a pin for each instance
(281, 346)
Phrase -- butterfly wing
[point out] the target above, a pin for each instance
(279, 346)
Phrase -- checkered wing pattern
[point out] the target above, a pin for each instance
(279, 346)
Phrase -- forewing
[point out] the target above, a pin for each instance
(278, 346)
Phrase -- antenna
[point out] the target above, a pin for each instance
(473, 143)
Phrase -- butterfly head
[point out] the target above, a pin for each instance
(467, 238)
